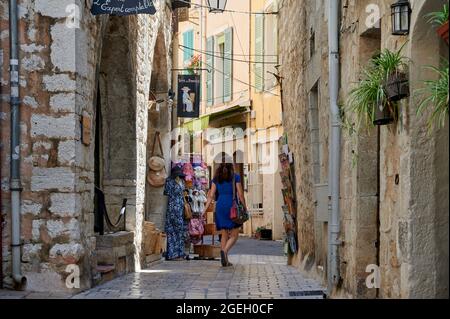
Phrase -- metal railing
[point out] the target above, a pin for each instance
(101, 215)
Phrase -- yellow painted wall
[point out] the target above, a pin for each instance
(267, 114)
(266, 104)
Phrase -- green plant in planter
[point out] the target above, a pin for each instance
(384, 83)
(438, 18)
(367, 95)
(394, 66)
(435, 94)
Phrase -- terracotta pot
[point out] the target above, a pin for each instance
(443, 32)
(397, 87)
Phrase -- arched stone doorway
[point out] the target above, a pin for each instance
(115, 155)
(426, 254)
(115, 160)
(159, 121)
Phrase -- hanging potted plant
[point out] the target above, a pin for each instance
(384, 83)
(435, 94)
(368, 100)
(393, 66)
(440, 19)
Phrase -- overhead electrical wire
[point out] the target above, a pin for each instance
(221, 97)
(238, 80)
(196, 5)
(224, 57)
(242, 49)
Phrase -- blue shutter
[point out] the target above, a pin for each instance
(210, 75)
(188, 41)
(228, 65)
(259, 52)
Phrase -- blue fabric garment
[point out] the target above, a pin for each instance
(175, 227)
(224, 202)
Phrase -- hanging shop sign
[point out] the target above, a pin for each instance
(123, 7)
(188, 96)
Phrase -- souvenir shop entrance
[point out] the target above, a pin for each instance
(201, 235)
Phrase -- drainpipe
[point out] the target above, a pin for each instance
(15, 187)
(334, 147)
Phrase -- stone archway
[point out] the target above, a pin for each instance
(115, 155)
(426, 247)
(118, 120)
(159, 121)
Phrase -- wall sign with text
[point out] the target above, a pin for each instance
(189, 96)
(123, 7)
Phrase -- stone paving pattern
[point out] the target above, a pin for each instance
(261, 276)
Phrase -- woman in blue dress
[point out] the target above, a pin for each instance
(222, 191)
(176, 226)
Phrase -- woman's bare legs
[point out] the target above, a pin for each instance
(234, 235)
(223, 244)
(224, 239)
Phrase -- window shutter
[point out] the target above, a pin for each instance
(259, 52)
(228, 66)
(188, 41)
(210, 75)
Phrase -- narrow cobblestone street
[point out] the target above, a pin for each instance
(261, 275)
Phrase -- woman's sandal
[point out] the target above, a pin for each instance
(228, 264)
(223, 258)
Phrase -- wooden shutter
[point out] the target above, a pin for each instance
(188, 41)
(228, 65)
(259, 52)
(210, 75)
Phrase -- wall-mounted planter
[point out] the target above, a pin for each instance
(443, 32)
(397, 87)
(383, 115)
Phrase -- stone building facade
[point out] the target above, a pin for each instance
(85, 86)
(394, 200)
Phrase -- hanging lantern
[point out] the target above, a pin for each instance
(401, 17)
(217, 6)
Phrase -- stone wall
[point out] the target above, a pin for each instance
(408, 224)
(303, 68)
(59, 70)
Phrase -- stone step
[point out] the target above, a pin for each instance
(114, 240)
(104, 269)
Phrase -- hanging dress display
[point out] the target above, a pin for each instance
(176, 226)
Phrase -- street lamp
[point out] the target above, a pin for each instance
(217, 6)
(401, 17)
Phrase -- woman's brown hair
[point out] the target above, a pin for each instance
(224, 173)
